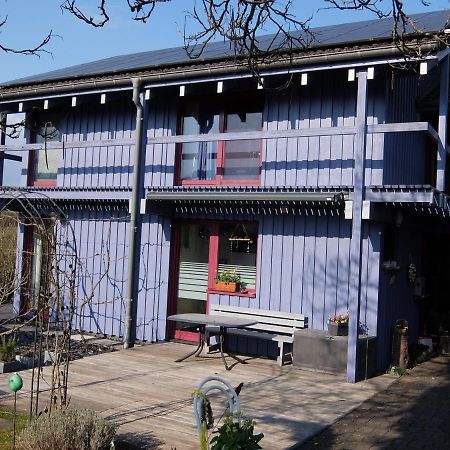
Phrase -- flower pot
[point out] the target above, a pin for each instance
(13, 366)
(27, 361)
(338, 329)
(226, 287)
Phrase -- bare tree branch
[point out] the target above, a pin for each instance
(70, 6)
(143, 9)
(37, 50)
(406, 34)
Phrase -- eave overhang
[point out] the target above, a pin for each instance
(317, 58)
(420, 199)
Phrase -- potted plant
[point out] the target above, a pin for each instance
(8, 361)
(227, 281)
(338, 324)
(26, 359)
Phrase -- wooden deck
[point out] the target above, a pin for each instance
(149, 395)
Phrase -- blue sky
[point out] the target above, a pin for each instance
(30, 20)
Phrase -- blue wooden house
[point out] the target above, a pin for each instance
(326, 193)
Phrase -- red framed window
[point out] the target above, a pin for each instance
(222, 162)
(43, 164)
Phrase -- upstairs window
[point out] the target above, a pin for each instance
(45, 162)
(221, 162)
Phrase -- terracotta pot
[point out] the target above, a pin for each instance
(226, 287)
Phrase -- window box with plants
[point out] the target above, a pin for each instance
(227, 281)
(338, 324)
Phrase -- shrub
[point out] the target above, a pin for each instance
(8, 233)
(7, 349)
(68, 429)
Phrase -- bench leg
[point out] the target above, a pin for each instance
(280, 359)
(211, 347)
(282, 354)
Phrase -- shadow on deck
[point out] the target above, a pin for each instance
(149, 395)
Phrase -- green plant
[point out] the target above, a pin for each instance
(232, 436)
(7, 349)
(6, 430)
(228, 276)
(68, 429)
(397, 370)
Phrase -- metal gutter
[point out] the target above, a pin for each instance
(128, 339)
(236, 196)
(222, 69)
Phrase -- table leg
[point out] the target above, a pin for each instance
(223, 332)
(199, 349)
(221, 340)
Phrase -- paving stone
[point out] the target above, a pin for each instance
(411, 413)
(79, 337)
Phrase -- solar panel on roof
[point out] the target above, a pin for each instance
(336, 35)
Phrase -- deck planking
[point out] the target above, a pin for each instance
(149, 395)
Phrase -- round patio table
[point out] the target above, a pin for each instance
(204, 320)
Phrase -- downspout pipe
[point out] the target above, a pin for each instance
(133, 266)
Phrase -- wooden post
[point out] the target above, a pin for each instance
(2, 142)
(442, 128)
(355, 245)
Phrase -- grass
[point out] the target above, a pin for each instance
(6, 428)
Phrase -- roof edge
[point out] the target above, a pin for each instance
(210, 68)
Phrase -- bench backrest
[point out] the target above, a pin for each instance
(269, 321)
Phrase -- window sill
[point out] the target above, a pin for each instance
(222, 182)
(249, 294)
(43, 183)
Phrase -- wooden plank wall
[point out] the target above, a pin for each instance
(396, 294)
(101, 236)
(97, 166)
(327, 101)
(160, 159)
(19, 266)
(404, 161)
(153, 278)
(303, 266)
(100, 233)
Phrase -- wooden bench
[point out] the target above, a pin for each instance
(271, 325)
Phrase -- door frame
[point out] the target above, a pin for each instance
(174, 270)
(213, 259)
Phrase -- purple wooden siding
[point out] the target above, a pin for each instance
(160, 159)
(153, 279)
(303, 267)
(396, 295)
(19, 266)
(404, 160)
(97, 166)
(101, 237)
(327, 101)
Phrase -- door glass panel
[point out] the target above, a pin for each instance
(242, 158)
(237, 251)
(193, 272)
(199, 159)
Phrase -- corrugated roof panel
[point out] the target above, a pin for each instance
(336, 35)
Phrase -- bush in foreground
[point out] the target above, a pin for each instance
(68, 429)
